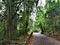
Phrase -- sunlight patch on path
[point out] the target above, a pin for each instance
(37, 34)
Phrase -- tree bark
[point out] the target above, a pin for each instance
(9, 32)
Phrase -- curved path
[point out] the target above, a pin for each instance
(41, 39)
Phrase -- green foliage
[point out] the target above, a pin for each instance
(48, 17)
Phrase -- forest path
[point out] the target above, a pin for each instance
(41, 39)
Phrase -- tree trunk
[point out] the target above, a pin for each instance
(9, 32)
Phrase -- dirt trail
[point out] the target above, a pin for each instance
(41, 39)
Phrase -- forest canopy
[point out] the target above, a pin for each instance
(21, 17)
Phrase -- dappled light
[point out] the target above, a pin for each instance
(29, 22)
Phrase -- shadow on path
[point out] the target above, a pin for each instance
(41, 39)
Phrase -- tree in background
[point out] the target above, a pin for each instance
(15, 17)
(47, 16)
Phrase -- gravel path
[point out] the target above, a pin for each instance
(41, 39)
